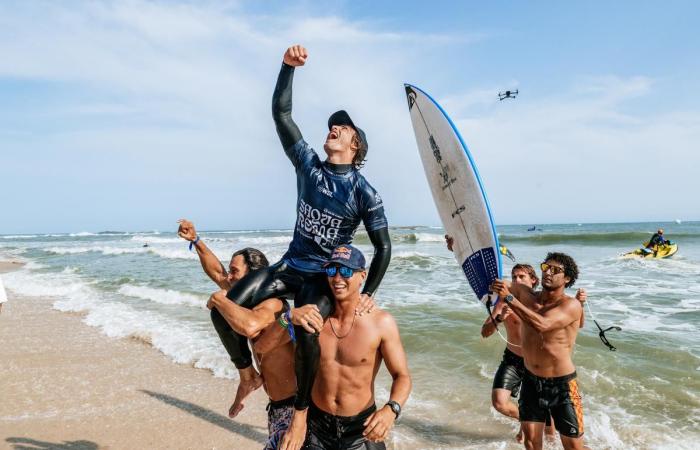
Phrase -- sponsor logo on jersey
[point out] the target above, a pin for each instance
(325, 191)
(321, 226)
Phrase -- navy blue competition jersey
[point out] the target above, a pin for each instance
(332, 200)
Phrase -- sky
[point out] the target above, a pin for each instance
(128, 115)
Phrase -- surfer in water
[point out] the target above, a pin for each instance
(333, 198)
(550, 324)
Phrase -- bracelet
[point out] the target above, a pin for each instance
(193, 243)
(282, 322)
(290, 327)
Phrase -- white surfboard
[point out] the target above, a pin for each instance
(457, 190)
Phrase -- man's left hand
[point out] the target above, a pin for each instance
(366, 305)
(581, 295)
(378, 425)
(216, 298)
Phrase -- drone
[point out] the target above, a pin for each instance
(507, 94)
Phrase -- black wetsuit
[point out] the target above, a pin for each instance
(332, 200)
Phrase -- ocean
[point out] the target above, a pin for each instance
(646, 395)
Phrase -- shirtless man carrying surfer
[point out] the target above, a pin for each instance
(550, 323)
(343, 414)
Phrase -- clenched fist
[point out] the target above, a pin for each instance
(295, 56)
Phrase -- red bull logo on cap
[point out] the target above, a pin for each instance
(342, 253)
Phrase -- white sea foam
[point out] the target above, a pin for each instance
(430, 237)
(172, 253)
(268, 240)
(33, 265)
(20, 236)
(105, 250)
(150, 239)
(82, 233)
(163, 296)
(185, 342)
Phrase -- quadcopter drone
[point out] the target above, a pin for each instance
(507, 94)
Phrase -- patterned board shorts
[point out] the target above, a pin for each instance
(279, 416)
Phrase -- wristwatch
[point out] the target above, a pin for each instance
(395, 407)
(508, 298)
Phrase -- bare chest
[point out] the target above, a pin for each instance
(359, 347)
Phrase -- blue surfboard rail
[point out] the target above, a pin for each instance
(478, 178)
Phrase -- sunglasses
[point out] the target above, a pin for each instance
(554, 269)
(345, 272)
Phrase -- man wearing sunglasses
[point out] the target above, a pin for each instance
(342, 414)
(551, 320)
(333, 198)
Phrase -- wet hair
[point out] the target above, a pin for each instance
(570, 267)
(530, 271)
(361, 154)
(254, 258)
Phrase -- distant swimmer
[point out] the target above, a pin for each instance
(507, 94)
(551, 321)
(333, 198)
(145, 245)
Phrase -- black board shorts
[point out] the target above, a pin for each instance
(328, 432)
(558, 396)
(510, 373)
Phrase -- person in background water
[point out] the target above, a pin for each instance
(656, 241)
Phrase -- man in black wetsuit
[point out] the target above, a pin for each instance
(332, 199)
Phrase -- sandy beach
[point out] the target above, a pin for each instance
(66, 386)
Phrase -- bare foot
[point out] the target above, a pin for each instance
(520, 436)
(296, 433)
(250, 381)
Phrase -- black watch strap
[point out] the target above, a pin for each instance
(395, 407)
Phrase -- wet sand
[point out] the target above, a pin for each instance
(66, 386)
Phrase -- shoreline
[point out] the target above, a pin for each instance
(66, 385)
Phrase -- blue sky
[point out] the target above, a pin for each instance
(129, 115)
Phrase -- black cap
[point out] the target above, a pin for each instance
(343, 118)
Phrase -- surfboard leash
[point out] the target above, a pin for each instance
(601, 331)
(495, 324)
